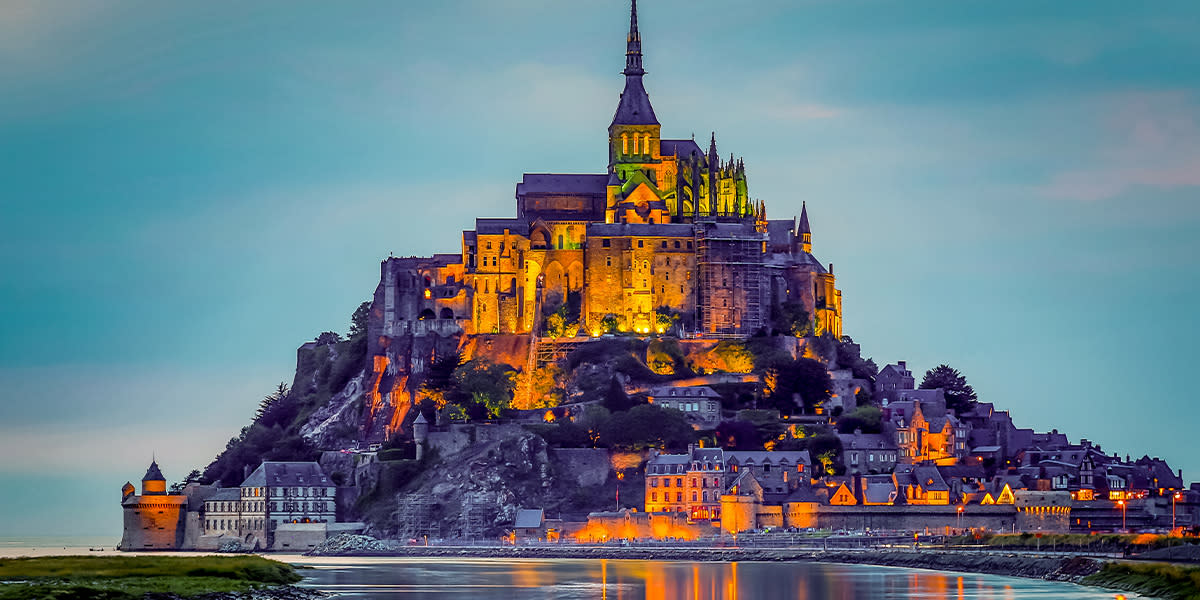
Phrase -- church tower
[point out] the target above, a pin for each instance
(634, 134)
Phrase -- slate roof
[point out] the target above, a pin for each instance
(867, 441)
(696, 391)
(804, 226)
(153, 474)
(803, 493)
(879, 489)
(528, 518)
(639, 229)
(680, 148)
(929, 479)
(634, 107)
(497, 226)
(759, 457)
(226, 495)
(287, 474)
(562, 183)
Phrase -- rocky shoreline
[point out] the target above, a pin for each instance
(1058, 568)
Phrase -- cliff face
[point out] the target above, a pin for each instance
(476, 492)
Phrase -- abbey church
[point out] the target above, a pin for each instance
(669, 228)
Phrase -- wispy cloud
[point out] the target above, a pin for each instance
(1147, 139)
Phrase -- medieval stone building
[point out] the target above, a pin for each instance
(668, 229)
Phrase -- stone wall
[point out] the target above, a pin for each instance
(293, 537)
(936, 519)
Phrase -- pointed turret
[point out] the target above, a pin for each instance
(804, 231)
(634, 108)
(154, 482)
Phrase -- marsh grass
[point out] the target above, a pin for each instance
(1159, 580)
(127, 577)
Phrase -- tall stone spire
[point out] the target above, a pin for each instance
(633, 45)
(634, 108)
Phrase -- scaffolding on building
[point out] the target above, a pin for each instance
(552, 350)
(415, 516)
(725, 253)
(477, 515)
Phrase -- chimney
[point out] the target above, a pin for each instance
(245, 472)
(903, 364)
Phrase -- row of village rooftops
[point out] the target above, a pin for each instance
(279, 506)
(743, 491)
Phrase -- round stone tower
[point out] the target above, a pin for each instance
(154, 484)
(420, 433)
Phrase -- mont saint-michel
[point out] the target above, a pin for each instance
(606, 321)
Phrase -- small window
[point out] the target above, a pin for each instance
(608, 261)
(607, 243)
(641, 243)
(677, 245)
(689, 245)
(664, 244)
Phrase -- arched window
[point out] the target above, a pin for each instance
(624, 144)
(427, 314)
(447, 314)
(646, 145)
(560, 242)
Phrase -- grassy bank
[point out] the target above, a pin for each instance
(1139, 542)
(129, 577)
(1159, 580)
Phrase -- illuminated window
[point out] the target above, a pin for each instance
(647, 143)
(624, 144)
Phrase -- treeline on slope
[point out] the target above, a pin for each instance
(274, 433)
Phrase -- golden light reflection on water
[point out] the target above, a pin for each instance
(488, 579)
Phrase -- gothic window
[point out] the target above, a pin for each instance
(624, 144)
(647, 145)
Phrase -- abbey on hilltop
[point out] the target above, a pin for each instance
(667, 237)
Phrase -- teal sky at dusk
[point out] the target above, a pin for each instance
(189, 191)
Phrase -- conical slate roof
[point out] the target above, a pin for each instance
(153, 474)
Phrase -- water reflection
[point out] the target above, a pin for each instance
(486, 579)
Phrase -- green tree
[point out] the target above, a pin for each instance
(868, 418)
(358, 321)
(805, 377)
(194, 476)
(615, 398)
(960, 396)
(648, 426)
(790, 318)
(486, 384)
(273, 410)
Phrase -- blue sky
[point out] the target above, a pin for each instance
(189, 191)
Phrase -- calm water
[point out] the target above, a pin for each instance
(487, 579)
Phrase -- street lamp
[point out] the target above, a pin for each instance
(960, 516)
(1178, 496)
(1121, 503)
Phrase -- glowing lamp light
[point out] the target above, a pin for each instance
(428, 293)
